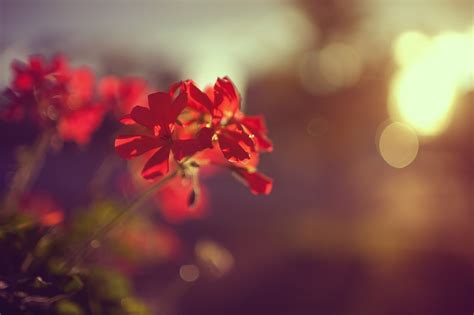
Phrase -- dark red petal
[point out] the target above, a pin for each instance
(256, 125)
(205, 138)
(241, 136)
(184, 148)
(128, 147)
(227, 94)
(176, 108)
(160, 103)
(231, 149)
(158, 164)
(177, 86)
(258, 183)
(227, 88)
(199, 97)
(143, 116)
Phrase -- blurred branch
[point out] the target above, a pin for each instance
(30, 164)
(104, 230)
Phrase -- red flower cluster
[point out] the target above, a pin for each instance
(52, 94)
(181, 130)
(189, 125)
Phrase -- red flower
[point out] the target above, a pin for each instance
(238, 136)
(43, 208)
(54, 95)
(159, 133)
(196, 124)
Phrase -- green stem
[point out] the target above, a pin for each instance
(134, 205)
(30, 164)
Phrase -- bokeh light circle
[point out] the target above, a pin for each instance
(398, 145)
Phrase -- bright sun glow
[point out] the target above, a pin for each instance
(432, 73)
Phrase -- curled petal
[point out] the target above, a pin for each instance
(226, 97)
(231, 149)
(199, 99)
(129, 147)
(158, 164)
(177, 107)
(258, 183)
(256, 125)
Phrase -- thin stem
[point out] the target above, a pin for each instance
(134, 205)
(30, 164)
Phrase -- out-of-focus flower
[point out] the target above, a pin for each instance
(54, 95)
(122, 94)
(181, 200)
(140, 241)
(43, 208)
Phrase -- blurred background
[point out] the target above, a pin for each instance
(370, 107)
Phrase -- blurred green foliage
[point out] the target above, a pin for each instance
(38, 276)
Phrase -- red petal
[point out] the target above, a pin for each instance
(176, 108)
(184, 148)
(128, 147)
(143, 116)
(231, 149)
(205, 138)
(199, 97)
(226, 96)
(160, 103)
(158, 164)
(258, 183)
(256, 125)
(187, 147)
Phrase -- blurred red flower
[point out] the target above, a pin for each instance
(43, 208)
(180, 200)
(52, 94)
(122, 94)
